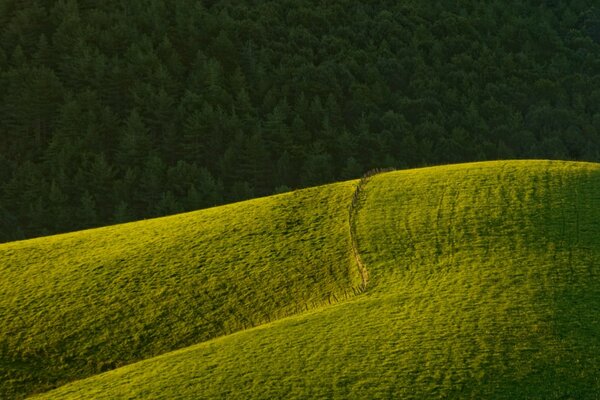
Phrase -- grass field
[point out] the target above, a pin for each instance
(484, 282)
(78, 304)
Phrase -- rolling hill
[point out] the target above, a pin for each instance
(483, 283)
(77, 304)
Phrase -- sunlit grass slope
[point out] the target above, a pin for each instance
(484, 283)
(78, 304)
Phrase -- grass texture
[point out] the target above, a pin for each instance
(78, 304)
(484, 282)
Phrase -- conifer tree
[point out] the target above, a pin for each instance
(135, 143)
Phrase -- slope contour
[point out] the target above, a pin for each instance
(484, 283)
(78, 304)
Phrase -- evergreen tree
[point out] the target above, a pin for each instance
(135, 143)
(99, 179)
(167, 205)
(285, 170)
(152, 183)
(57, 215)
(122, 213)
(86, 212)
(352, 169)
(317, 168)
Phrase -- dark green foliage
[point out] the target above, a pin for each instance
(275, 93)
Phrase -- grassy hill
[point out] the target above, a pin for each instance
(78, 304)
(484, 282)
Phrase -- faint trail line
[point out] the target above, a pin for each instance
(355, 205)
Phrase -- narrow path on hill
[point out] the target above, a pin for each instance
(355, 206)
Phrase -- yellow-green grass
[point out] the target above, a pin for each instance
(77, 304)
(484, 283)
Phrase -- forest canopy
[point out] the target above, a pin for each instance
(119, 110)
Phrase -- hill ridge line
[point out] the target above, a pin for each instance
(526, 272)
(352, 212)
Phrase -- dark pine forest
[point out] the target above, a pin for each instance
(112, 111)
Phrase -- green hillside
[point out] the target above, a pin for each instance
(78, 304)
(484, 284)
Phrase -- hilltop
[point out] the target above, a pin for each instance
(483, 283)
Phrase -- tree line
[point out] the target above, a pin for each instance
(119, 110)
